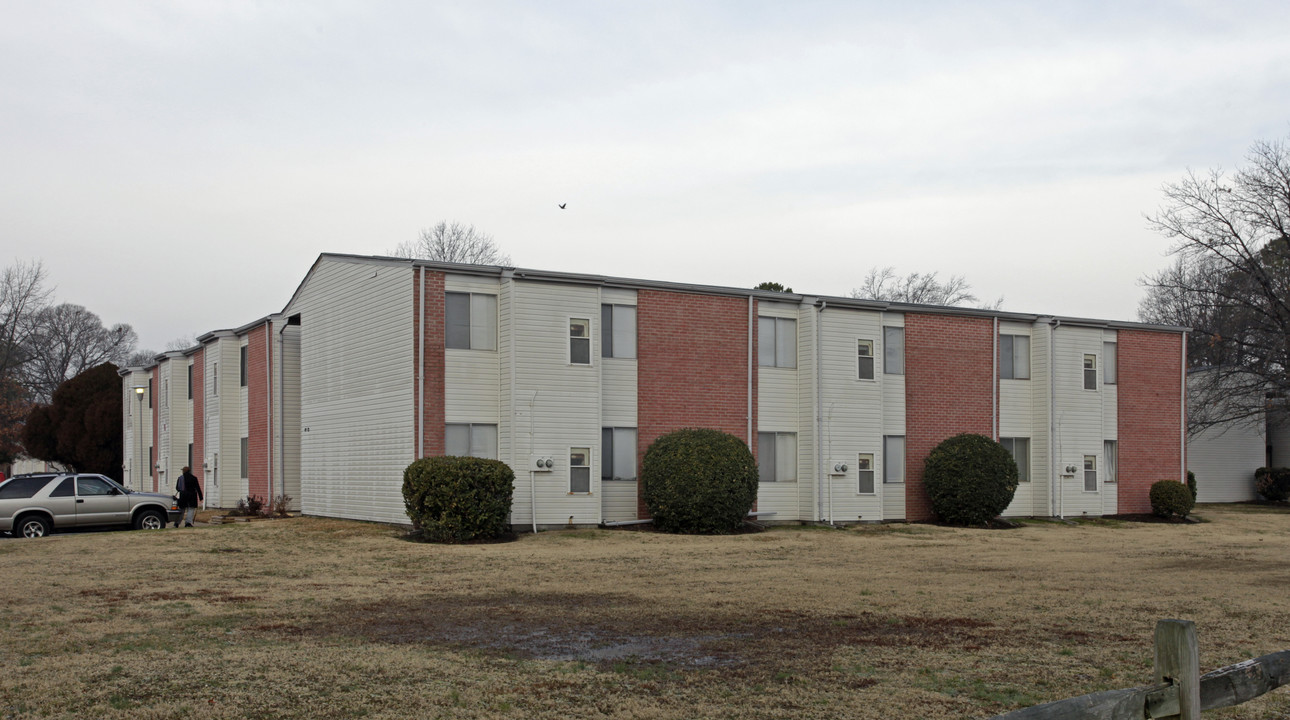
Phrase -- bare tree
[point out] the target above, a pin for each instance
(453, 242)
(919, 288)
(68, 340)
(183, 342)
(1230, 283)
(23, 296)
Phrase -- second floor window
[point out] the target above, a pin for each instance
(865, 359)
(470, 321)
(777, 342)
(893, 350)
(579, 341)
(617, 331)
(1090, 372)
(1014, 357)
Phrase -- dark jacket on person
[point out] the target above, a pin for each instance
(190, 491)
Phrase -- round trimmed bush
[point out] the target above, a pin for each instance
(1170, 498)
(458, 499)
(1273, 483)
(970, 479)
(699, 481)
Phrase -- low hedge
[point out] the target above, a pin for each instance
(1170, 498)
(457, 499)
(970, 479)
(699, 481)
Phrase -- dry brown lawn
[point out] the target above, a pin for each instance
(316, 618)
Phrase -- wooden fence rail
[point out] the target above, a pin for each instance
(1180, 690)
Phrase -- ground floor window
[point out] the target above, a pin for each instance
(471, 440)
(580, 470)
(1110, 459)
(618, 453)
(777, 456)
(1019, 448)
(864, 468)
(893, 458)
(1090, 473)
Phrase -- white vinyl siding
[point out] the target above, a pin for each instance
(288, 387)
(781, 395)
(557, 404)
(357, 432)
(892, 402)
(1080, 418)
(1224, 458)
(1019, 416)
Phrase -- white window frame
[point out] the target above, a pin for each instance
(1090, 466)
(861, 343)
(588, 465)
(470, 439)
(1090, 370)
(609, 453)
(778, 323)
(608, 348)
(893, 470)
(569, 338)
(862, 471)
(480, 323)
(1010, 444)
(777, 445)
(888, 366)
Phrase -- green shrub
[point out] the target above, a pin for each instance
(457, 499)
(699, 481)
(1170, 498)
(1273, 483)
(970, 479)
(1191, 485)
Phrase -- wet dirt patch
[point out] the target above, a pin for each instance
(604, 629)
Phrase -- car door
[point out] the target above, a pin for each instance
(99, 502)
(62, 502)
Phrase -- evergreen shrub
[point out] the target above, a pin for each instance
(1191, 485)
(1170, 498)
(1273, 483)
(699, 481)
(458, 499)
(970, 479)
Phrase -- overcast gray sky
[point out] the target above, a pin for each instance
(179, 165)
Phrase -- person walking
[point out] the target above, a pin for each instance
(190, 494)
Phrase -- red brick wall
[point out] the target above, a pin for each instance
(430, 424)
(258, 411)
(949, 381)
(199, 416)
(153, 384)
(1150, 407)
(692, 366)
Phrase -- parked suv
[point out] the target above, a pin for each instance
(36, 505)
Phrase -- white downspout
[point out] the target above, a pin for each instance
(994, 393)
(821, 475)
(1053, 485)
(532, 475)
(1182, 424)
(268, 378)
(421, 373)
(752, 318)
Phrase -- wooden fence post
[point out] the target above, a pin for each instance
(1178, 663)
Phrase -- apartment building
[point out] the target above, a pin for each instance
(568, 378)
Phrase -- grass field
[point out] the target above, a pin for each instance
(315, 618)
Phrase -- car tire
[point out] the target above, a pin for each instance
(149, 520)
(32, 526)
